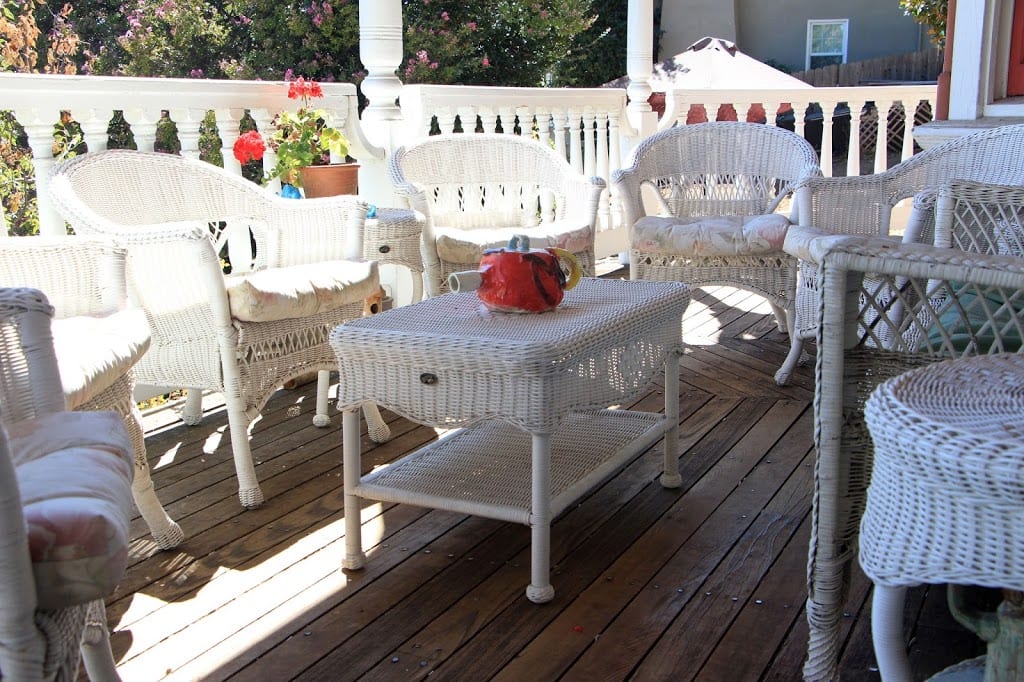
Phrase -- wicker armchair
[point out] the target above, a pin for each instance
(65, 505)
(296, 274)
(832, 208)
(885, 308)
(476, 190)
(98, 340)
(716, 187)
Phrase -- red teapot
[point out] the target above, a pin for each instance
(518, 279)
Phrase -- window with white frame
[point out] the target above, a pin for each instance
(826, 42)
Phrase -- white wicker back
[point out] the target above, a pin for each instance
(176, 216)
(715, 169)
(490, 181)
(862, 205)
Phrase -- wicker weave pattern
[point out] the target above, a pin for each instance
(170, 212)
(946, 484)
(529, 370)
(872, 328)
(36, 644)
(489, 180)
(717, 169)
(862, 205)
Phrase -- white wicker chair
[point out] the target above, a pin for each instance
(243, 334)
(713, 183)
(885, 308)
(98, 340)
(830, 208)
(65, 506)
(476, 190)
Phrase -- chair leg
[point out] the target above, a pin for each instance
(249, 492)
(780, 317)
(166, 532)
(378, 431)
(887, 633)
(796, 349)
(95, 647)
(193, 412)
(323, 386)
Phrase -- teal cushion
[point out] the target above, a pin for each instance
(969, 320)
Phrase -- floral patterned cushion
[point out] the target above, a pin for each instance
(93, 352)
(74, 473)
(710, 236)
(300, 290)
(467, 246)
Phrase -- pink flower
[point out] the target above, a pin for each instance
(444, 16)
(471, 26)
(485, 62)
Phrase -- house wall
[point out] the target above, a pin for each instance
(684, 22)
(777, 30)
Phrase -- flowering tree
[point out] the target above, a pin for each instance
(486, 42)
(317, 38)
(178, 38)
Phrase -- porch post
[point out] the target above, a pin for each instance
(639, 66)
(380, 49)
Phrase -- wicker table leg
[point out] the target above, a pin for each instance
(355, 558)
(540, 589)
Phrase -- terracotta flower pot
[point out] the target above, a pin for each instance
(330, 180)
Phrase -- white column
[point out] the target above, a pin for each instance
(380, 50)
(639, 65)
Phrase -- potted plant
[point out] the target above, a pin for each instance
(304, 144)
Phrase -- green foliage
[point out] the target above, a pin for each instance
(931, 13)
(484, 42)
(170, 38)
(597, 55)
(18, 192)
(316, 38)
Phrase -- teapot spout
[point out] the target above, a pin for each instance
(467, 280)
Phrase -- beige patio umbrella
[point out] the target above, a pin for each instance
(714, 64)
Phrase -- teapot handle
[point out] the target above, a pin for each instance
(575, 272)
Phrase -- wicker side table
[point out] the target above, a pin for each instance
(946, 499)
(392, 237)
(530, 392)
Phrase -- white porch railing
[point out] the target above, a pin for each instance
(887, 101)
(38, 100)
(601, 144)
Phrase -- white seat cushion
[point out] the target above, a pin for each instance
(300, 290)
(466, 246)
(94, 352)
(710, 236)
(74, 473)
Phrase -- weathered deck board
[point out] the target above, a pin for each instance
(706, 582)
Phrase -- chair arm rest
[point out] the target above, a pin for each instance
(810, 244)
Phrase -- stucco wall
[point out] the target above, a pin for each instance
(777, 30)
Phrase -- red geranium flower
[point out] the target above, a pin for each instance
(249, 147)
(303, 89)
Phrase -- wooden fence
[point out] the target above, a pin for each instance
(920, 66)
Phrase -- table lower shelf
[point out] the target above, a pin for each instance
(485, 469)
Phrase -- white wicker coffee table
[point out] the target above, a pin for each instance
(531, 392)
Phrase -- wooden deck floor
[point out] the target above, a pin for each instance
(706, 582)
